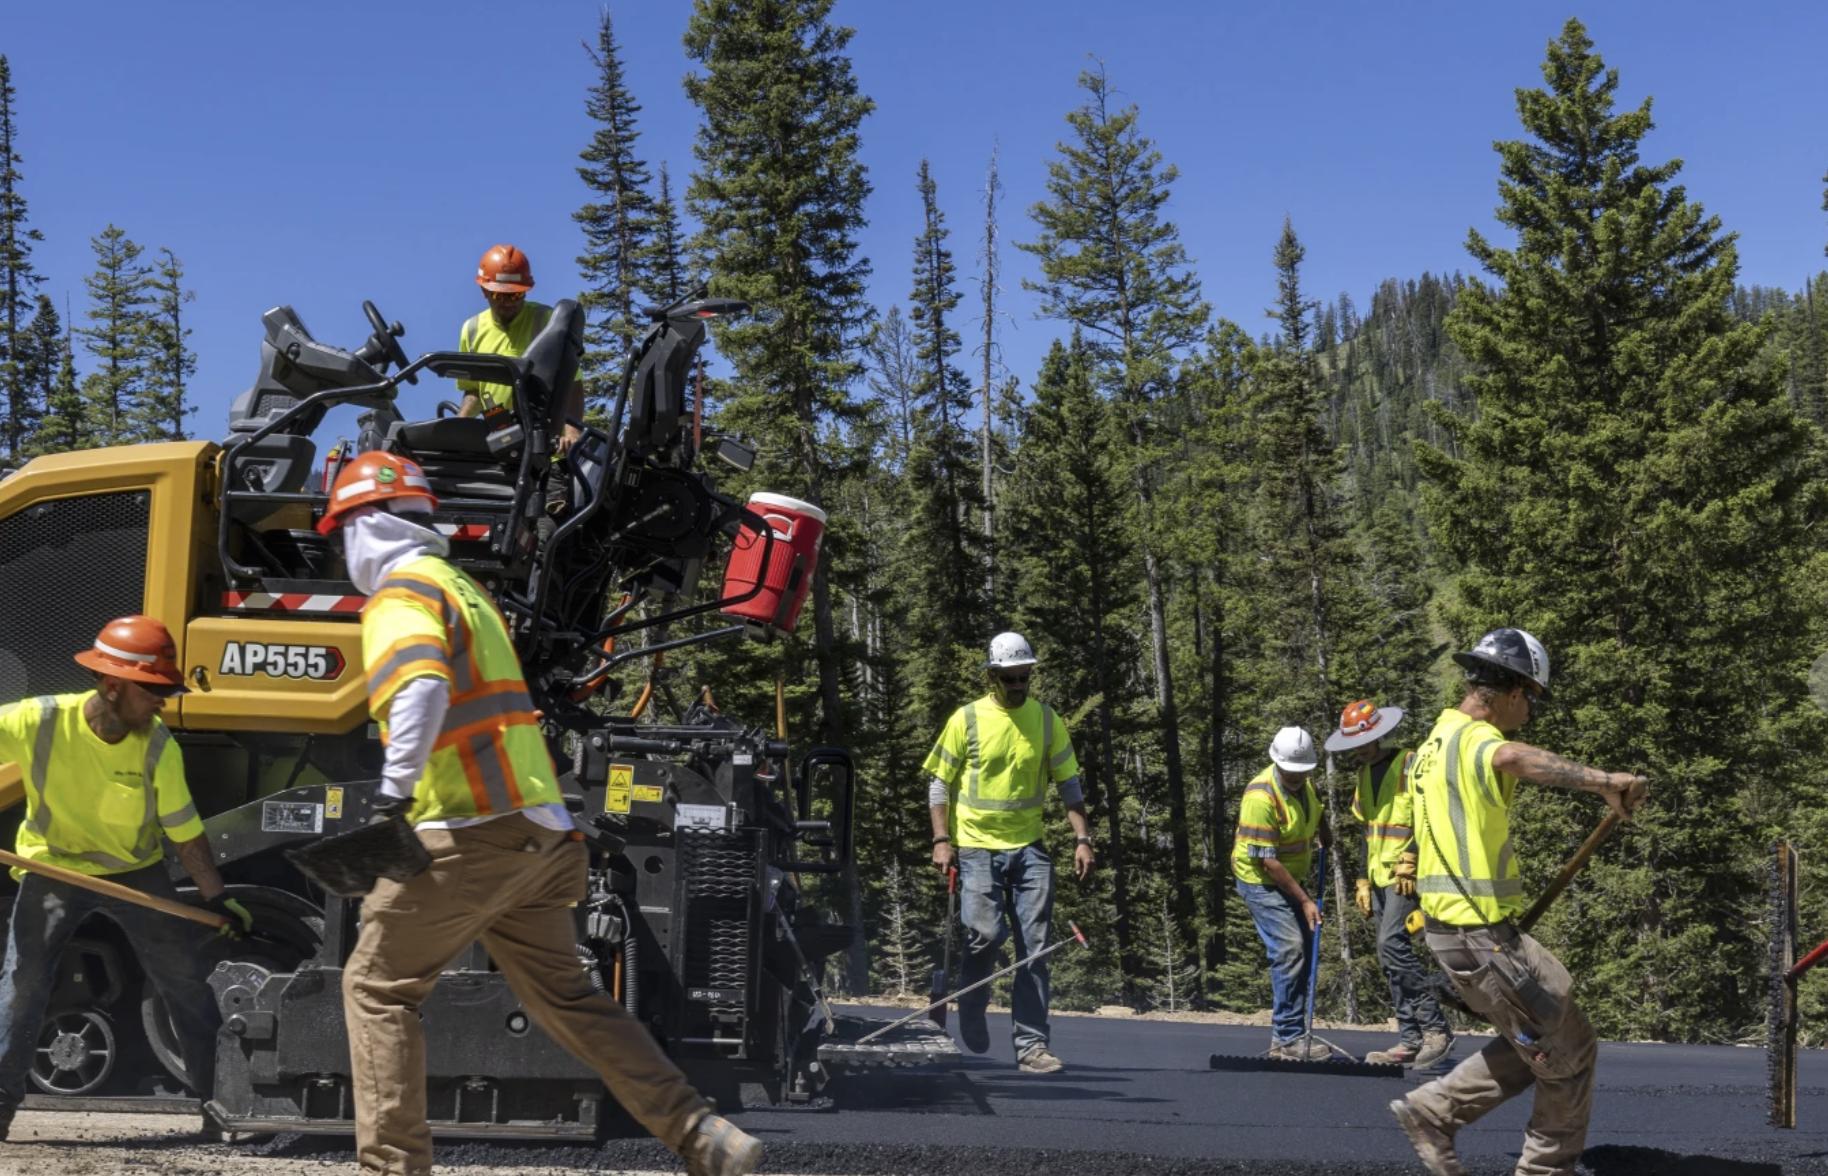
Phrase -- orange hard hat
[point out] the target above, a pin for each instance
(137, 649)
(373, 478)
(1363, 722)
(505, 270)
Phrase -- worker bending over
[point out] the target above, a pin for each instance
(1279, 822)
(1463, 783)
(466, 764)
(104, 789)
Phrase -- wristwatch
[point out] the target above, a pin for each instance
(1082, 841)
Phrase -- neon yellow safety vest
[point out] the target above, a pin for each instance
(1383, 806)
(92, 806)
(1462, 810)
(429, 619)
(1270, 818)
(482, 335)
(997, 764)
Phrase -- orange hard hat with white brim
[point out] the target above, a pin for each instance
(137, 649)
(1363, 722)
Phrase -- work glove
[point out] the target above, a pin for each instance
(1404, 874)
(386, 808)
(1361, 895)
(240, 919)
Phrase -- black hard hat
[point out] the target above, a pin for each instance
(1513, 650)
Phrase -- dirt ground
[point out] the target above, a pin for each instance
(82, 1143)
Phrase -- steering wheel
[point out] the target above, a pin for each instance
(387, 338)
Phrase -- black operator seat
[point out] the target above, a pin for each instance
(455, 451)
(293, 365)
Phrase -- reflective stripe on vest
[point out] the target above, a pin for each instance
(1466, 873)
(974, 767)
(489, 756)
(40, 819)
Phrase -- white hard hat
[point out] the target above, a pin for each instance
(1292, 750)
(1009, 649)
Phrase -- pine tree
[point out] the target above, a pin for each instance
(666, 277)
(988, 289)
(119, 294)
(618, 222)
(170, 363)
(1071, 561)
(17, 281)
(66, 425)
(1298, 469)
(40, 358)
(1636, 490)
(778, 195)
(943, 549)
(1114, 266)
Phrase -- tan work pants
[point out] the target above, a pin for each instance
(512, 885)
(1544, 1039)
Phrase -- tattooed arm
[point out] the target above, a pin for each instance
(1622, 791)
(200, 864)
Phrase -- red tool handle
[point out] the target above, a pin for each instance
(951, 879)
(1080, 935)
(1809, 961)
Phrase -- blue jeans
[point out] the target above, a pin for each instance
(1417, 1011)
(177, 956)
(1285, 936)
(1000, 891)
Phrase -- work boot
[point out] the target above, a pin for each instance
(1301, 1049)
(1040, 1060)
(718, 1147)
(1402, 1054)
(1435, 1048)
(1433, 1146)
(973, 1028)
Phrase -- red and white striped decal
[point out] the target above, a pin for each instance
(292, 602)
(464, 532)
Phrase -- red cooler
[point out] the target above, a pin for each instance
(798, 527)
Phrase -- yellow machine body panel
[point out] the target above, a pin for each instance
(252, 673)
(179, 476)
(273, 674)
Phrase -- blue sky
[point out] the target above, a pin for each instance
(325, 152)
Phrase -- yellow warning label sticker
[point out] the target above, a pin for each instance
(621, 779)
(649, 794)
(333, 803)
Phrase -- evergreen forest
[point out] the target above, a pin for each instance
(1209, 529)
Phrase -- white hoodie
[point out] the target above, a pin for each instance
(377, 543)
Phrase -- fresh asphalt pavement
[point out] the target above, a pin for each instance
(1140, 1096)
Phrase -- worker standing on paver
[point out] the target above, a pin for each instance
(1279, 823)
(989, 774)
(1386, 891)
(466, 764)
(104, 786)
(508, 327)
(1463, 783)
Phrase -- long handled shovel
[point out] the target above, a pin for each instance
(102, 886)
(937, 988)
